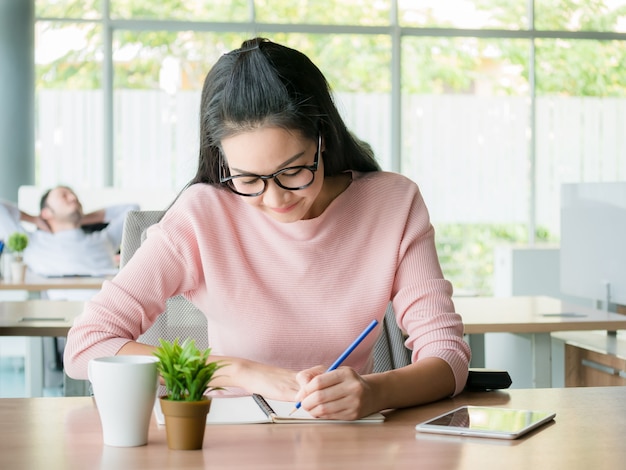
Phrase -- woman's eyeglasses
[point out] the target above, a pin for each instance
(291, 178)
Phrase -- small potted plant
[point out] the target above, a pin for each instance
(17, 243)
(187, 375)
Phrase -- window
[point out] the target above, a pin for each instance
(497, 102)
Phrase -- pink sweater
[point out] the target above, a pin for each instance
(289, 294)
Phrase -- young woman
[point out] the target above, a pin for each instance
(291, 240)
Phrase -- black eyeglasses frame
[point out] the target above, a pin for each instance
(225, 180)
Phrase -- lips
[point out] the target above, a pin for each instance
(285, 209)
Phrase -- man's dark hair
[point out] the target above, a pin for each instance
(44, 199)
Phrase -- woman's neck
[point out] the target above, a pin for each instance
(333, 187)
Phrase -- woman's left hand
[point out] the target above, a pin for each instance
(338, 394)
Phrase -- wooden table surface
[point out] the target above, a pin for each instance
(35, 283)
(532, 314)
(587, 434)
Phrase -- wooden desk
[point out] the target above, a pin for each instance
(36, 283)
(36, 319)
(34, 286)
(594, 358)
(587, 433)
(535, 317)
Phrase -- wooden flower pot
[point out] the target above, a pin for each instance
(185, 422)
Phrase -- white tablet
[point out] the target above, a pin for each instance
(486, 421)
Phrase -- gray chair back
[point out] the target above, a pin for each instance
(390, 351)
(181, 318)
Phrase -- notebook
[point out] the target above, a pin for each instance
(252, 409)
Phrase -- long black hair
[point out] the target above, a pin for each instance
(266, 84)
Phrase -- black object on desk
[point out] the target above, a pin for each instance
(487, 379)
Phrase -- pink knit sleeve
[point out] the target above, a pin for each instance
(422, 298)
(129, 304)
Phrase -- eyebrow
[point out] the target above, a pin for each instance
(280, 167)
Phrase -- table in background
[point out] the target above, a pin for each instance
(587, 433)
(594, 358)
(38, 317)
(35, 319)
(534, 316)
(35, 284)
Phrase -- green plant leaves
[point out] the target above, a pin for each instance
(185, 369)
(17, 242)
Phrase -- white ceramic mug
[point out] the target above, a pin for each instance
(124, 388)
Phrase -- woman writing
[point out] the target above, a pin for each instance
(291, 240)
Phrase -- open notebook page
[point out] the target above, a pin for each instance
(245, 410)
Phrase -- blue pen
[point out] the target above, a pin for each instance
(345, 354)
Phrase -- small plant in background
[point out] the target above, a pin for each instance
(17, 243)
(185, 370)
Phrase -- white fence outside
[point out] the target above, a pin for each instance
(469, 154)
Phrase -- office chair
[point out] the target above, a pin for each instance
(182, 319)
(389, 350)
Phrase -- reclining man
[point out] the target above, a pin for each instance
(60, 246)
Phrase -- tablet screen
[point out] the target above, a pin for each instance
(485, 421)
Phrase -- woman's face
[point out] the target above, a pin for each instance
(265, 151)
